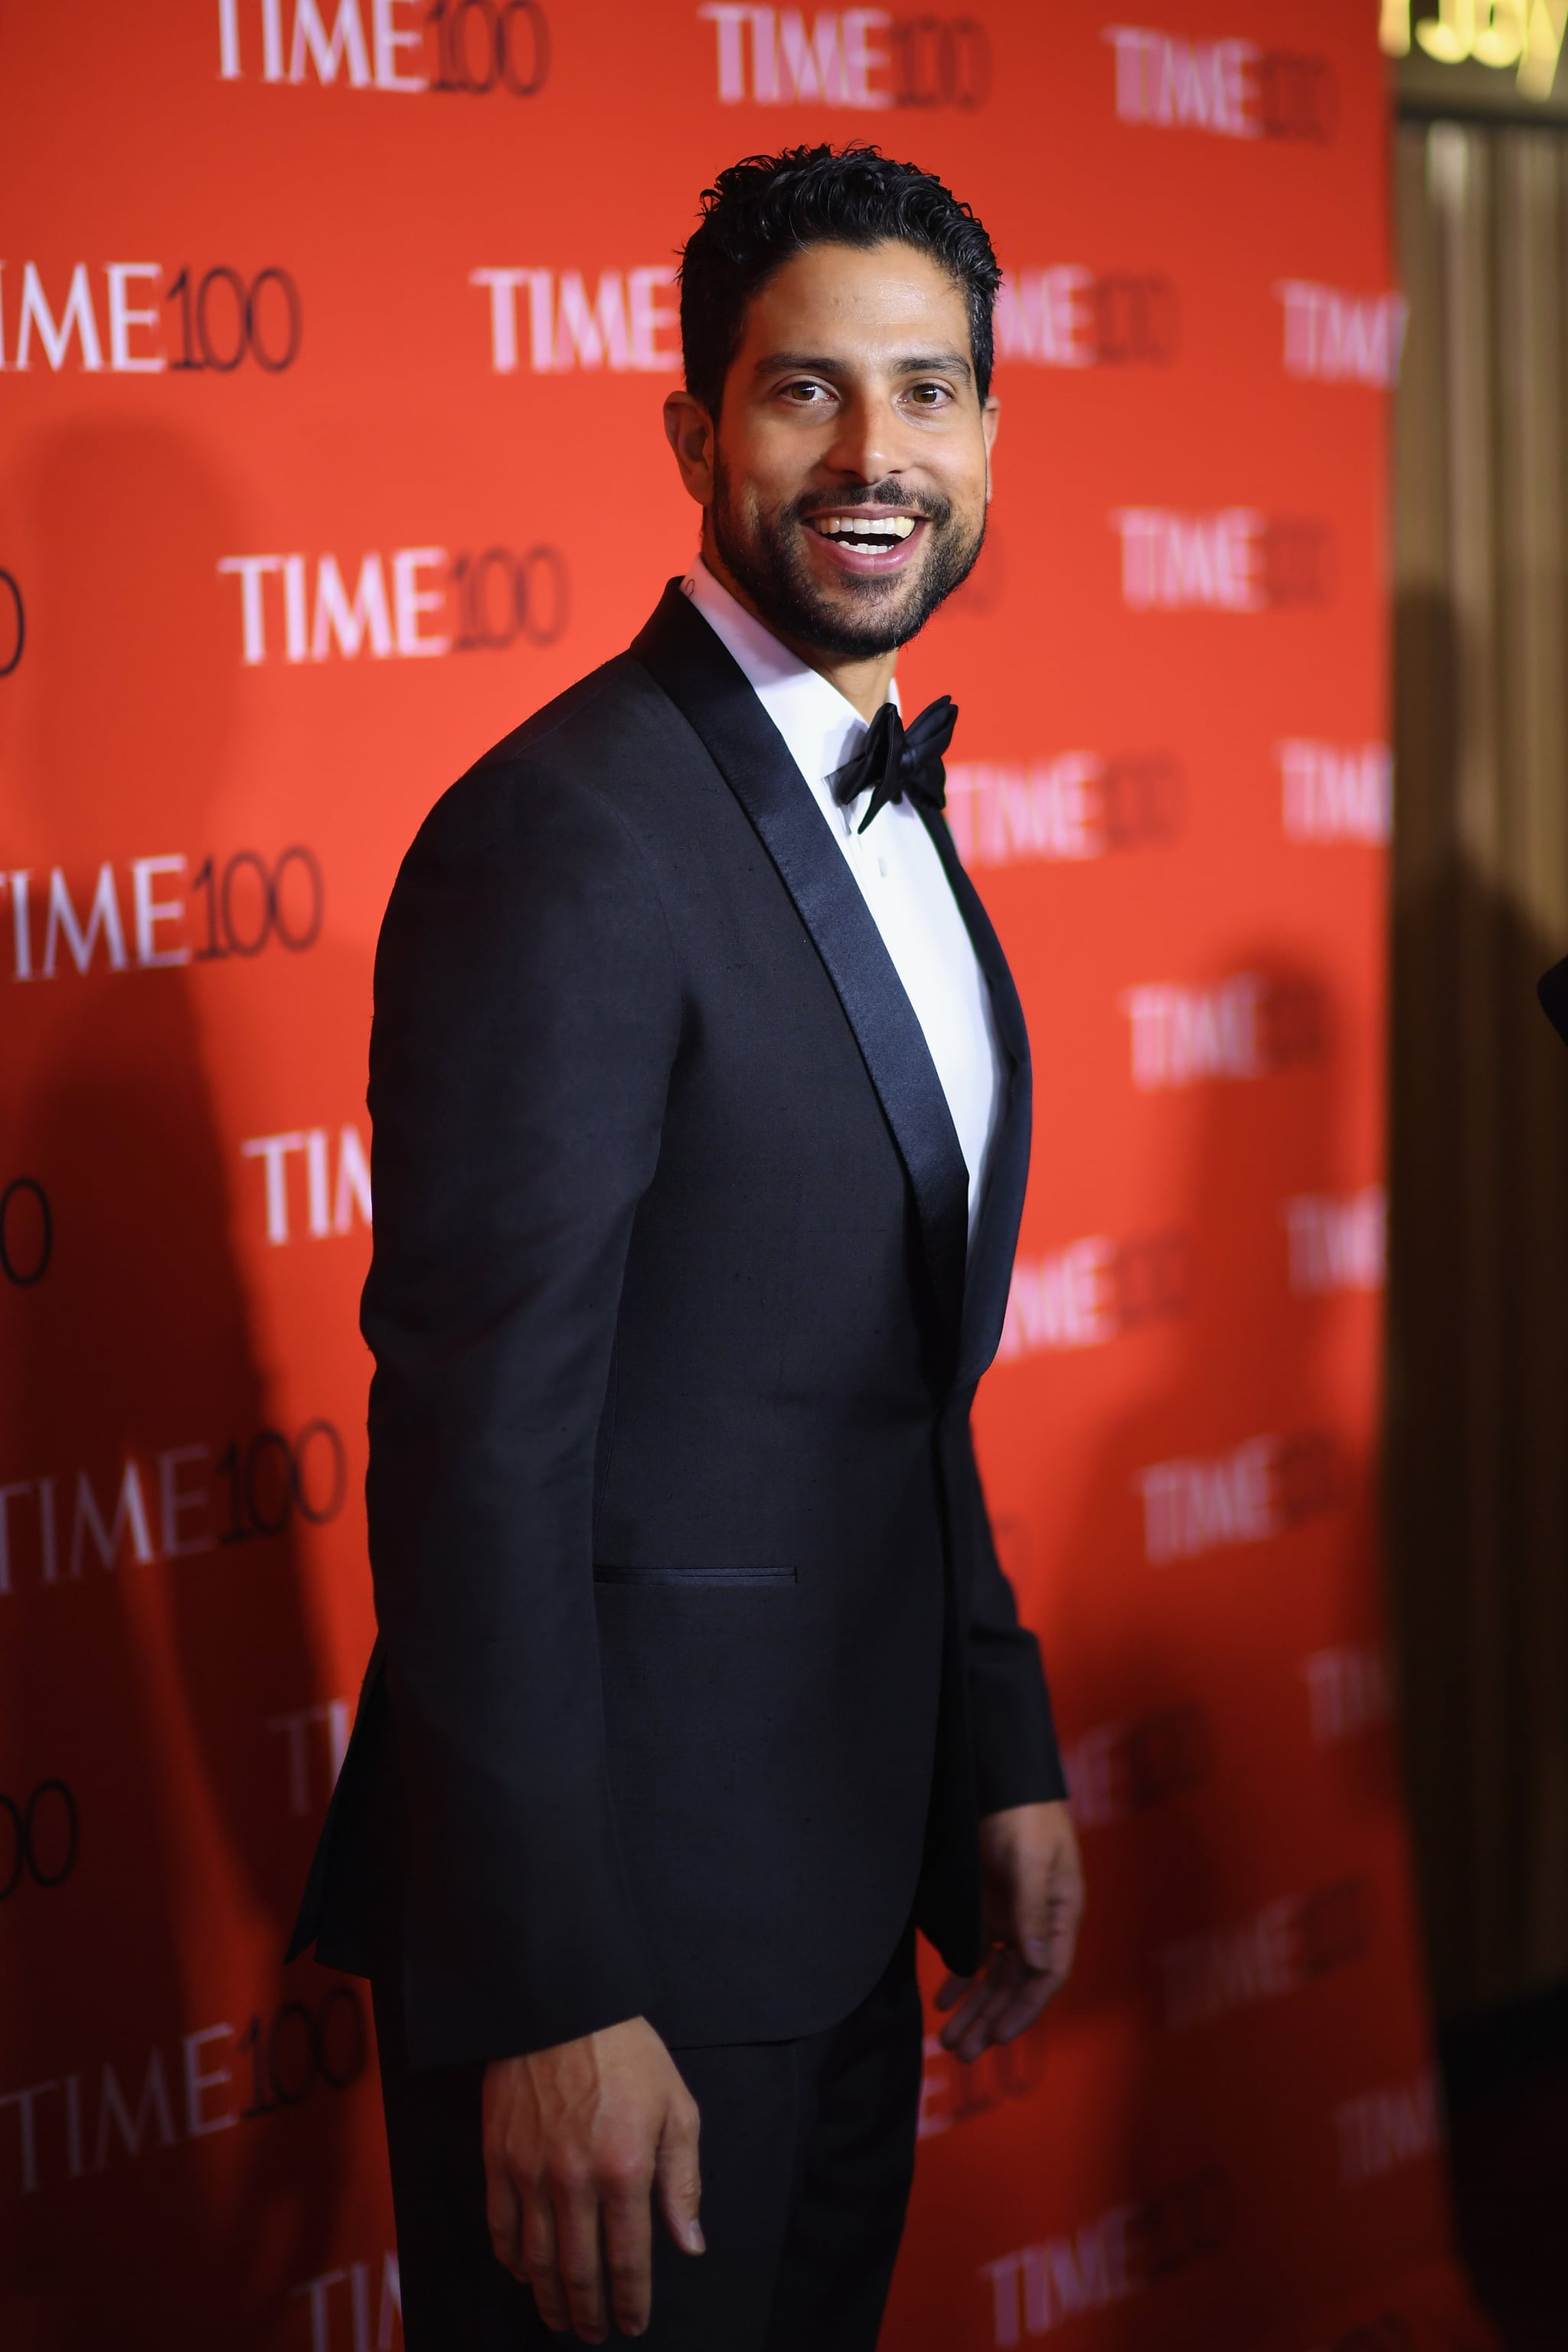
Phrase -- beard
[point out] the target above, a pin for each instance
(866, 617)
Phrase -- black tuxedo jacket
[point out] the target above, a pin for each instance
(696, 1665)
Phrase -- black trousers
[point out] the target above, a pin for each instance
(807, 2152)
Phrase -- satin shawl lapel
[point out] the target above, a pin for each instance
(714, 694)
(1002, 1207)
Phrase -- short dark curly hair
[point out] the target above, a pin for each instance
(766, 208)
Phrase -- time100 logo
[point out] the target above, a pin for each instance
(470, 47)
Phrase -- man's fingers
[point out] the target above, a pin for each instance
(1026, 2006)
(503, 2213)
(1016, 1988)
(679, 2180)
(628, 2251)
(958, 2024)
(1003, 2003)
(539, 2259)
(980, 2033)
(1066, 1919)
(977, 1996)
(965, 2029)
(1048, 1904)
(1038, 1925)
(953, 1988)
(578, 2264)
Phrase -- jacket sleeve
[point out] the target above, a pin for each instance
(527, 1017)
(1017, 1759)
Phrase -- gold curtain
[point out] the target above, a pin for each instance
(1478, 1275)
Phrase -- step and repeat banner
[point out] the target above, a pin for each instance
(332, 339)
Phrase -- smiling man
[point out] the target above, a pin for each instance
(700, 1095)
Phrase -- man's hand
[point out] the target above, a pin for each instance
(1033, 1894)
(576, 2139)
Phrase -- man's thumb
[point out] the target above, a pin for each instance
(679, 2183)
(1035, 1941)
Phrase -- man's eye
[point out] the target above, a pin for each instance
(929, 396)
(806, 394)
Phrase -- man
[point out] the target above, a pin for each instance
(700, 1096)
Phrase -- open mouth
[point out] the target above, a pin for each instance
(878, 539)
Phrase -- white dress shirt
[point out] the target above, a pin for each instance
(894, 862)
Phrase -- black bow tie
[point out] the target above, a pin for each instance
(895, 759)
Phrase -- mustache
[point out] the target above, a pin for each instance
(930, 507)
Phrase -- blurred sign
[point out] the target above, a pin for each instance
(1472, 44)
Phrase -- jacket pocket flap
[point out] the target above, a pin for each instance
(606, 1573)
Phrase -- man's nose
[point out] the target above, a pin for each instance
(865, 444)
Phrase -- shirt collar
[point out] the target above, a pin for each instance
(820, 726)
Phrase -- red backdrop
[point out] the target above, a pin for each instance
(333, 335)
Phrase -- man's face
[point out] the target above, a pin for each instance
(851, 468)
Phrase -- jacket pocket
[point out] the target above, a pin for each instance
(606, 1573)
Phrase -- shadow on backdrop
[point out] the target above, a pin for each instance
(148, 1684)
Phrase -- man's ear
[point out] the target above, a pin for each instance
(990, 425)
(689, 430)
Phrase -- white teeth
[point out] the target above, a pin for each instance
(864, 526)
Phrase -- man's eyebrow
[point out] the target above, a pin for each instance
(918, 363)
(935, 364)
